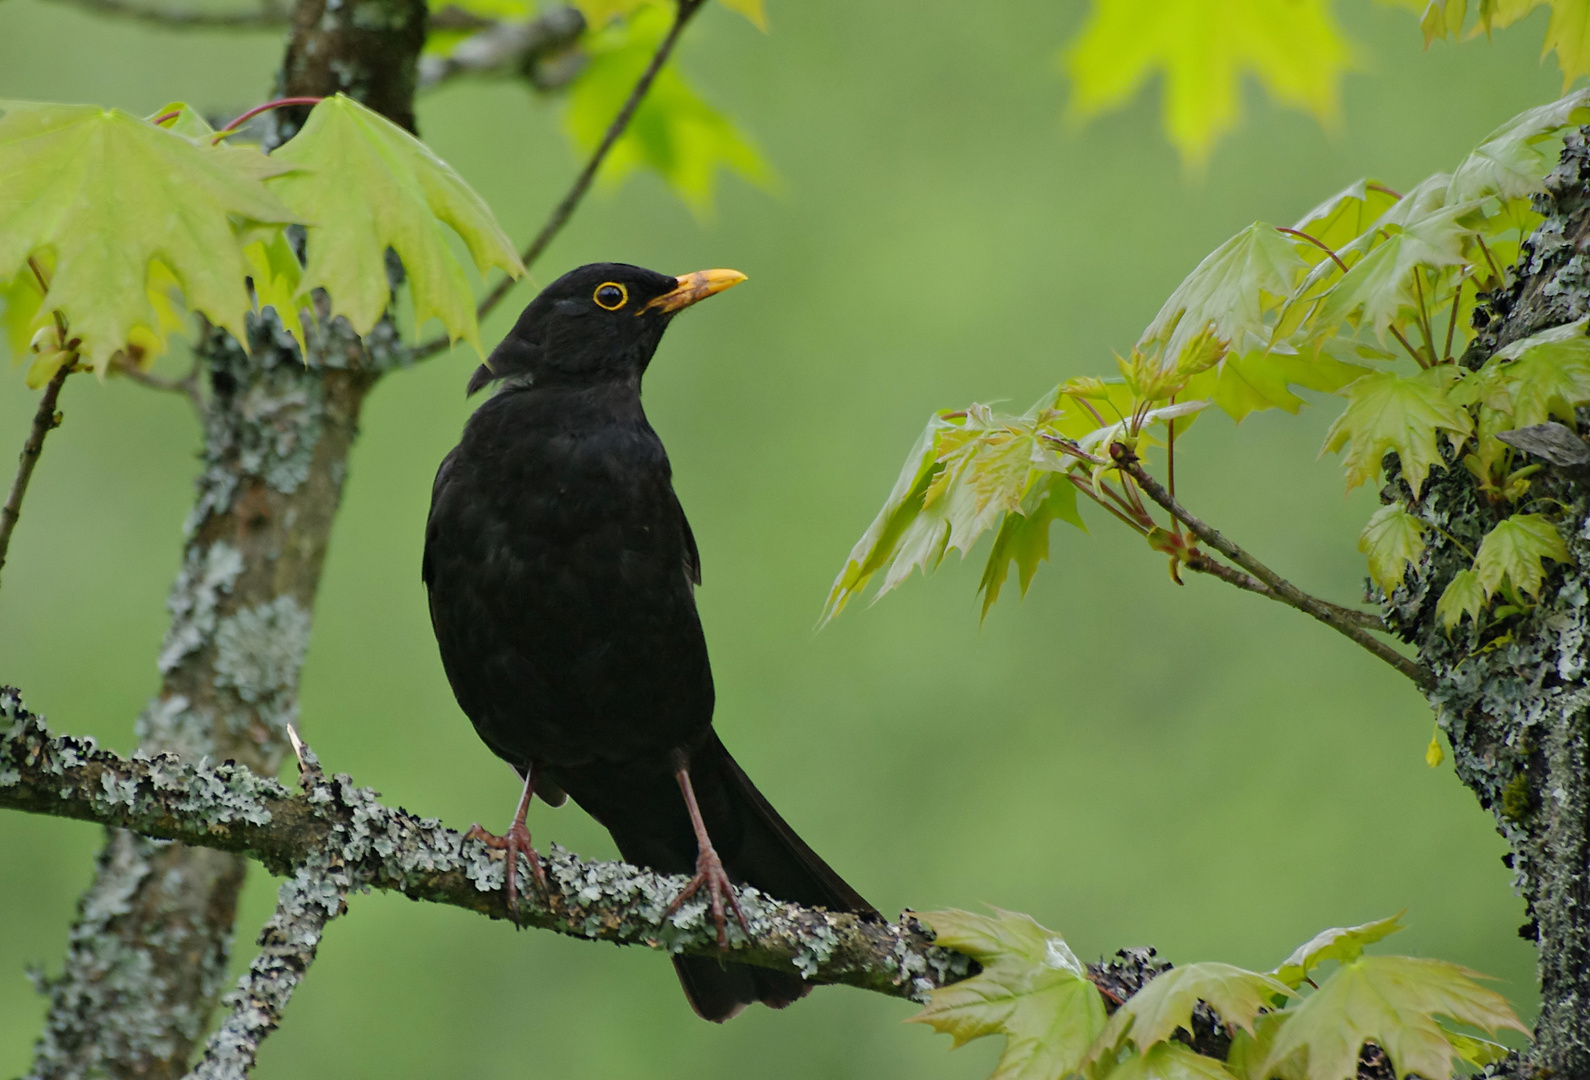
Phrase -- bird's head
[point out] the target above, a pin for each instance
(599, 322)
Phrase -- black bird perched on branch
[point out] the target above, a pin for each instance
(562, 573)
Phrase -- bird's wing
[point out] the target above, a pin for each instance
(427, 571)
(692, 556)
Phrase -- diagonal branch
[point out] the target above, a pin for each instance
(582, 183)
(45, 420)
(336, 824)
(1275, 586)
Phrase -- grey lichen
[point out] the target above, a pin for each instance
(344, 835)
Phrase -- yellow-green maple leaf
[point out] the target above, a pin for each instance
(1166, 1002)
(674, 131)
(364, 185)
(1513, 551)
(1567, 34)
(1032, 989)
(1204, 47)
(1339, 943)
(108, 197)
(1392, 540)
(1397, 413)
(1023, 536)
(1392, 1000)
(1463, 595)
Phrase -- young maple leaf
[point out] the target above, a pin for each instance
(1514, 159)
(1344, 216)
(1166, 1002)
(1295, 49)
(1339, 943)
(1023, 536)
(1406, 414)
(1463, 595)
(1392, 540)
(1541, 377)
(110, 197)
(1393, 1001)
(364, 185)
(673, 131)
(1032, 989)
(1514, 550)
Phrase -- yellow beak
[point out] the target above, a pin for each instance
(694, 287)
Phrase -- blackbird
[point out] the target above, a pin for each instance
(561, 573)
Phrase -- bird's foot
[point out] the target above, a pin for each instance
(517, 840)
(710, 872)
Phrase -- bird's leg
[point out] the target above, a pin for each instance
(709, 870)
(516, 840)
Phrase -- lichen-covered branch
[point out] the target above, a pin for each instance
(1276, 587)
(341, 834)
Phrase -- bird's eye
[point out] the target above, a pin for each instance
(611, 295)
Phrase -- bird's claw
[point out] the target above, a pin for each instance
(710, 872)
(517, 840)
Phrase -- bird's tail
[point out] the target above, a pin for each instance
(757, 848)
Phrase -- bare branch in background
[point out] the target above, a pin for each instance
(538, 50)
(266, 16)
(45, 419)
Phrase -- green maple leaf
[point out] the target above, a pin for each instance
(108, 198)
(1032, 989)
(1294, 49)
(1395, 413)
(1392, 540)
(1514, 549)
(1394, 1001)
(1170, 1061)
(1512, 161)
(1380, 289)
(1229, 293)
(673, 131)
(1023, 537)
(1463, 595)
(1340, 943)
(1259, 380)
(1166, 1002)
(366, 185)
(880, 543)
(1541, 377)
(1345, 216)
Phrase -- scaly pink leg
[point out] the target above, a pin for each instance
(515, 841)
(709, 870)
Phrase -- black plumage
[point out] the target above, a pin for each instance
(561, 573)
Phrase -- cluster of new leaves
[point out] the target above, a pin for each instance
(1295, 50)
(1035, 992)
(1370, 296)
(110, 225)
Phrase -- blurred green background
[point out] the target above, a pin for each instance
(1130, 762)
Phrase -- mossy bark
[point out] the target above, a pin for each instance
(148, 952)
(1513, 693)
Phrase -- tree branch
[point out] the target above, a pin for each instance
(1201, 563)
(268, 16)
(509, 48)
(582, 183)
(1276, 587)
(339, 826)
(45, 419)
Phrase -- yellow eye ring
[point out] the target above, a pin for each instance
(605, 298)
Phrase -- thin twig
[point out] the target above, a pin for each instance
(1200, 562)
(266, 17)
(1279, 588)
(44, 419)
(188, 385)
(565, 209)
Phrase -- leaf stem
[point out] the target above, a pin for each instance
(1411, 350)
(1487, 251)
(1425, 327)
(1087, 489)
(1322, 245)
(1451, 323)
(44, 419)
(564, 210)
(279, 103)
(1280, 589)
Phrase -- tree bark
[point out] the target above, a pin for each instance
(1513, 695)
(147, 955)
